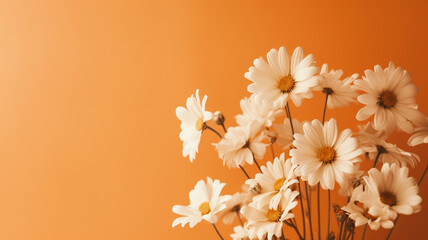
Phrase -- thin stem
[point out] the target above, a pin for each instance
(364, 232)
(341, 229)
(257, 164)
(212, 129)
(224, 128)
(309, 210)
(271, 147)
(239, 218)
(319, 214)
(273, 153)
(217, 231)
(396, 219)
(423, 175)
(325, 108)
(287, 109)
(290, 224)
(303, 210)
(282, 235)
(243, 170)
(377, 158)
(328, 214)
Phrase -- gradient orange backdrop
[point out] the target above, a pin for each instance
(89, 145)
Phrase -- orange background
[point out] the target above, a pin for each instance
(89, 145)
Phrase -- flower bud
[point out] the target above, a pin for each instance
(219, 118)
(254, 186)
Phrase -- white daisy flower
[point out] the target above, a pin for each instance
(233, 206)
(323, 155)
(282, 79)
(274, 181)
(254, 109)
(340, 93)
(205, 203)
(391, 190)
(390, 97)
(193, 119)
(420, 136)
(239, 233)
(240, 144)
(264, 221)
(362, 217)
(284, 134)
(372, 141)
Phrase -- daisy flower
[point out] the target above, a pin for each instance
(255, 109)
(264, 221)
(372, 142)
(340, 93)
(361, 216)
(390, 97)
(239, 233)
(193, 119)
(281, 79)
(240, 144)
(284, 134)
(323, 155)
(420, 136)
(233, 206)
(205, 203)
(391, 190)
(274, 180)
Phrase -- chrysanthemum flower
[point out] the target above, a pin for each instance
(340, 93)
(239, 233)
(274, 181)
(193, 119)
(391, 190)
(323, 155)
(233, 206)
(284, 133)
(361, 216)
(205, 203)
(264, 221)
(254, 109)
(390, 97)
(420, 136)
(281, 79)
(240, 144)
(372, 141)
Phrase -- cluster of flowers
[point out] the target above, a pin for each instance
(315, 154)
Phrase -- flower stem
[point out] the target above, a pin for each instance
(290, 224)
(271, 146)
(377, 158)
(341, 229)
(243, 170)
(287, 109)
(239, 218)
(217, 231)
(396, 219)
(328, 214)
(212, 129)
(309, 210)
(319, 214)
(257, 164)
(303, 210)
(364, 232)
(325, 108)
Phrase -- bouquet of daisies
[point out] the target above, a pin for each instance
(316, 155)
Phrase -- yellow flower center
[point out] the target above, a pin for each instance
(387, 99)
(286, 84)
(278, 184)
(326, 154)
(204, 208)
(200, 124)
(274, 215)
(388, 198)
